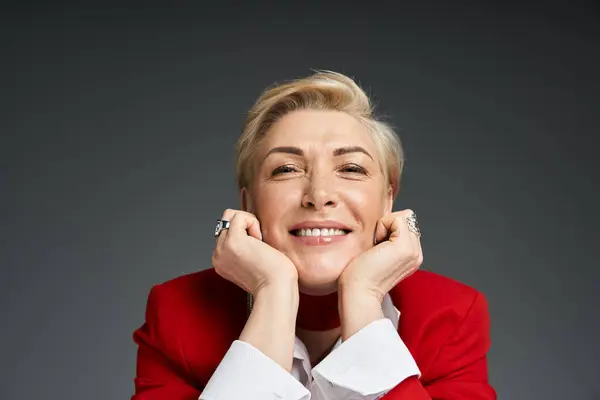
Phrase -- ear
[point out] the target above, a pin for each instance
(246, 200)
(389, 200)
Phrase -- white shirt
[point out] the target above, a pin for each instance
(364, 367)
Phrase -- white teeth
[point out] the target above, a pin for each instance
(320, 232)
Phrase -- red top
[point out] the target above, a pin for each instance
(192, 320)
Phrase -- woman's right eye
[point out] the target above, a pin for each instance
(284, 169)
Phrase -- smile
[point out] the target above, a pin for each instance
(319, 232)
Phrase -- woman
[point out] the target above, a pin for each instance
(315, 291)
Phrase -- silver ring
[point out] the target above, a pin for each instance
(221, 225)
(413, 224)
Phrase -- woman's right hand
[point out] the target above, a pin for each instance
(240, 255)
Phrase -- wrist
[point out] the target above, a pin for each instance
(358, 291)
(271, 325)
(283, 293)
(358, 307)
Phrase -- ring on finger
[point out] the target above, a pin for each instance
(413, 224)
(221, 225)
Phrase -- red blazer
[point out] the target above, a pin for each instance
(192, 320)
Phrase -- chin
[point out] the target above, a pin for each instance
(317, 289)
(319, 281)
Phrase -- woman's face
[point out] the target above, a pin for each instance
(318, 192)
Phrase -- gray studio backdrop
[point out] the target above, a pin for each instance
(117, 134)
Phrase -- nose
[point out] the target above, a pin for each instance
(320, 192)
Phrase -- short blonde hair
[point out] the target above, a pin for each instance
(324, 90)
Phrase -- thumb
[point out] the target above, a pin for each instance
(254, 229)
(387, 228)
(381, 232)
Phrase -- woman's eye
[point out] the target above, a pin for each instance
(353, 168)
(284, 169)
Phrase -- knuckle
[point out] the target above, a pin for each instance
(251, 218)
(419, 259)
(416, 259)
(227, 247)
(231, 248)
(229, 213)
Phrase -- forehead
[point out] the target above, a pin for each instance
(319, 130)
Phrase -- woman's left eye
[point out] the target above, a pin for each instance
(353, 168)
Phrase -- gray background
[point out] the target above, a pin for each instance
(118, 124)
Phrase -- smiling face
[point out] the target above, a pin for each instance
(318, 193)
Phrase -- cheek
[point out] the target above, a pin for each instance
(367, 207)
(272, 207)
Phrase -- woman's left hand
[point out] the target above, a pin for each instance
(371, 275)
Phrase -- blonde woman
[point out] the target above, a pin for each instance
(315, 290)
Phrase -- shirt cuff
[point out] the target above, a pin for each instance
(247, 373)
(369, 363)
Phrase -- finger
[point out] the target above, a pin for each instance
(381, 231)
(244, 223)
(394, 227)
(412, 233)
(414, 239)
(388, 227)
(227, 216)
(403, 229)
(254, 227)
(417, 238)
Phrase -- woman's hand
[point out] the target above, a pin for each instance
(240, 256)
(371, 275)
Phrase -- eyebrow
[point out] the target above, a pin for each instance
(352, 149)
(286, 149)
(337, 152)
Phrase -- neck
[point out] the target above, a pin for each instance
(318, 343)
(318, 313)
